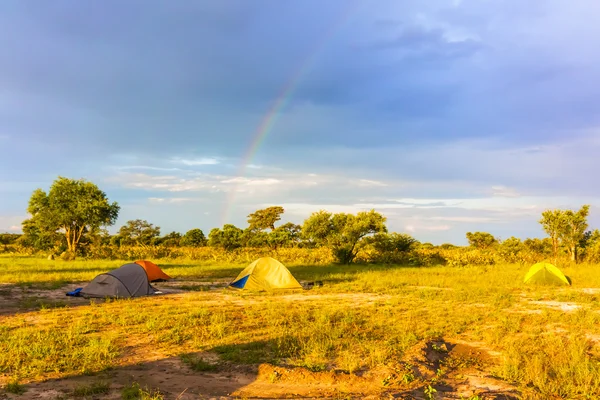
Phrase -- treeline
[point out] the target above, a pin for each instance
(71, 219)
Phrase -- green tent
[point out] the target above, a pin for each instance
(546, 273)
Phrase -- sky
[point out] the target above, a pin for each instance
(446, 116)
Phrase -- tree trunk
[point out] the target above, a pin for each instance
(68, 235)
(555, 247)
(574, 253)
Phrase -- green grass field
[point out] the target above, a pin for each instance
(379, 330)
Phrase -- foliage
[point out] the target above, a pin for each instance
(75, 207)
(138, 232)
(342, 232)
(567, 228)
(552, 222)
(171, 239)
(265, 219)
(9, 238)
(573, 231)
(194, 238)
(511, 249)
(481, 240)
(229, 238)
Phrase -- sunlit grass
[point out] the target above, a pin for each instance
(364, 317)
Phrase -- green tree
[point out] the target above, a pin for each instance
(553, 223)
(286, 235)
(139, 232)
(392, 242)
(171, 239)
(194, 238)
(342, 231)
(254, 238)
(481, 240)
(75, 207)
(573, 229)
(566, 227)
(9, 238)
(511, 249)
(265, 219)
(229, 238)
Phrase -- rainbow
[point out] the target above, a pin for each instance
(283, 98)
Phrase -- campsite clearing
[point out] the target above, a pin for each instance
(370, 331)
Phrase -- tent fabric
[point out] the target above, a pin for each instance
(265, 274)
(155, 274)
(130, 280)
(546, 273)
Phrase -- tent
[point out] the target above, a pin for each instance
(155, 274)
(265, 274)
(546, 273)
(130, 280)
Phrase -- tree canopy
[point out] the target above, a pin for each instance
(481, 240)
(194, 238)
(139, 232)
(566, 227)
(342, 231)
(75, 207)
(265, 219)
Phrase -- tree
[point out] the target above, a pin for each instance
(138, 232)
(74, 207)
(286, 235)
(318, 228)
(393, 242)
(194, 238)
(573, 229)
(342, 231)
(481, 240)
(511, 249)
(171, 239)
(253, 238)
(265, 219)
(566, 227)
(552, 222)
(229, 238)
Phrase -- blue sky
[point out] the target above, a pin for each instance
(446, 116)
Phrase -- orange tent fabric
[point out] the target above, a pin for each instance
(154, 273)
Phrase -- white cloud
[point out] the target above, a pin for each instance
(146, 167)
(252, 181)
(196, 161)
(503, 191)
(368, 182)
(172, 200)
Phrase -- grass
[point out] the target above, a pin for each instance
(135, 392)
(92, 389)
(15, 387)
(197, 363)
(365, 317)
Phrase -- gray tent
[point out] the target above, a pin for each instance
(130, 280)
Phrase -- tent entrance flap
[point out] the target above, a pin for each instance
(240, 283)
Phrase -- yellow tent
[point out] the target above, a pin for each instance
(546, 273)
(264, 274)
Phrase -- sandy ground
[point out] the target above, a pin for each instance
(176, 380)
